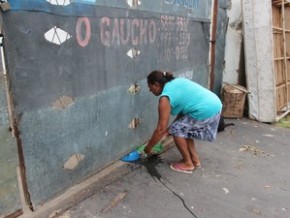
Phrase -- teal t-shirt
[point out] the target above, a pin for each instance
(188, 97)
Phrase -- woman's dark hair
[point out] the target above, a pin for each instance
(159, 77)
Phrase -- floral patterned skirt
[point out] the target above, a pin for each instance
(190, 128)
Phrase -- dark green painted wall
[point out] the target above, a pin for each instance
(71, 99)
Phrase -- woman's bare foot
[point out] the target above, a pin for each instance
(196, 164)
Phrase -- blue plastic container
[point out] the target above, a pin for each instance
(131, 157)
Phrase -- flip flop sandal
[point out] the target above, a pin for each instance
(197, 166)
(177, 167)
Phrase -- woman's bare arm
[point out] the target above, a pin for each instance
(161, 129)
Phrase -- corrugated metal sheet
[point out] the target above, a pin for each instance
(70, 69)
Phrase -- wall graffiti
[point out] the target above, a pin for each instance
(83, 38)
(187, 74)
(170, 32)
(134, 41)
(174, 38)
(118, 31)
(190, 4)
(122, 31)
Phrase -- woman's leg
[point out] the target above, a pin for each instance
(182, 145)
(193, 153)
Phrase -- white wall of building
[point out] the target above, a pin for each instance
(233, 43)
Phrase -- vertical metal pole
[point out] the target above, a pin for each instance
(212, 44)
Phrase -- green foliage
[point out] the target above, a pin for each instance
(284, 122)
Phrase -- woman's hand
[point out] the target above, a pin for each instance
(148, 150)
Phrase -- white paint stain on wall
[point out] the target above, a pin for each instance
(133, 53)
(59, 2)
(134, 3)
(57, 36)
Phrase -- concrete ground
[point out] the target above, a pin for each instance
(245, 174)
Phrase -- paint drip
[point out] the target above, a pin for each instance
(150, 164)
